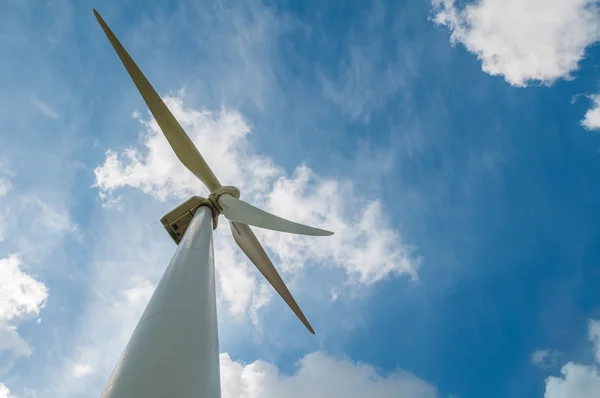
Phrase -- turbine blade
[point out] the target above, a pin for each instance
(247, 241)
(237, 210)
(182, 145)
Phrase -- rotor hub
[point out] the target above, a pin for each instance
(213, 201)
(216, 194)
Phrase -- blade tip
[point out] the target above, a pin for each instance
(324, 232)
(97, 15)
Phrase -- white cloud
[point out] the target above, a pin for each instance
(82, 369)
(591, 120)
(545, 358)
(33, 228)
(21, 297)
(364, 245)
(524, 40)
(318, 376)
(4, 391)
(577, 380)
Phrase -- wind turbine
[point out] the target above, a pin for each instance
(173, 351)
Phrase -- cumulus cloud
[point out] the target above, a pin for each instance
(364, 244)
(578, 380)
(591, 120)
(21, 297)
(523, 40)
(318, 375)
(4, 391)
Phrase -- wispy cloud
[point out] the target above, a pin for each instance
(4, 187)
(371, 71)
(524, 41)
(46, 225)
(545, 358)
(44, 108)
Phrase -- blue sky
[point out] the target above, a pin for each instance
(452, 146)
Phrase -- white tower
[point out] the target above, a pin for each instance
(174, 350)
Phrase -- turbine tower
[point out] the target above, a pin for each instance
(174, 351)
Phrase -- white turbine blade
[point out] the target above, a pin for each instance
(183, 146)
(237, 210)
(247, 241)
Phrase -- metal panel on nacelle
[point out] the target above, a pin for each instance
(173, 351)
(177, 220)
